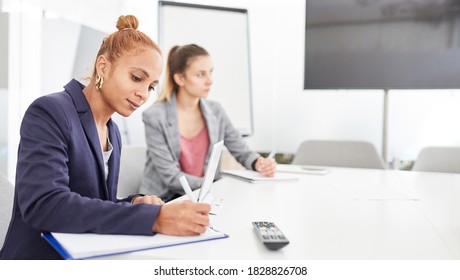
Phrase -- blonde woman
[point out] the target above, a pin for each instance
(182, 125)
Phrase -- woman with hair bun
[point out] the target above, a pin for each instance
(69, 156)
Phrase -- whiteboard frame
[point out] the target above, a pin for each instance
(246, 126)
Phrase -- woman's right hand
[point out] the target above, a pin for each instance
(182, 218)
(266, 166)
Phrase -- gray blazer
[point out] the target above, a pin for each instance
(162, 170)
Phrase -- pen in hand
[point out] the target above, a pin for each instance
(266, 166)
(272, 154)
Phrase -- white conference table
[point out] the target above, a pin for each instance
(324, 220)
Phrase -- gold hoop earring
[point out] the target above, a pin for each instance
(99, 82)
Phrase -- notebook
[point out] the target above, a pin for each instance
(72, 246)
(256, 177)
(302, 169)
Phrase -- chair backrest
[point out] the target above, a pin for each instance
(438, 159)
(131, 170)
(358, 154)
(6, 206)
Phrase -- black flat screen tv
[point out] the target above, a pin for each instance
(382, 44)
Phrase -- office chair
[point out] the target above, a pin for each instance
(131, 170)
(438, 159)
(358, 154)
(6, 206)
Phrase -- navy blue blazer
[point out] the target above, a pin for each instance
(60, 179)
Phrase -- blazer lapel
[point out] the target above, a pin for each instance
(74, 88)
(114, 161)
(172, 127)
(213, 126)
(211, 123)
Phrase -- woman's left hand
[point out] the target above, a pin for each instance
(148, 199)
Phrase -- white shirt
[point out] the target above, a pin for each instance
(106, 156)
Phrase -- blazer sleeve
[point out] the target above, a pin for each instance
(47, 199)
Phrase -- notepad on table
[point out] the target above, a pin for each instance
(91, 245)
(302, 169)
(256, 177)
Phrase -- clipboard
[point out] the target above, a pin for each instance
(80, 246)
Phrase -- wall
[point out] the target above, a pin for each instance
(423, 118)
(3, 50)
(59, 49)
(3, 131)
(3, 91)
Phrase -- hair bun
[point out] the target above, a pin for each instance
(128, 21)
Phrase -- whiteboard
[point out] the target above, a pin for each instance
(224, 33)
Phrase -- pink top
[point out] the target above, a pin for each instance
(193, 153)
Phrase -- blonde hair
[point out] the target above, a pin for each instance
(179, 59)
(126, 40)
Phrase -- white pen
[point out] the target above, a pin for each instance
(272, 154)
(187, 189)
